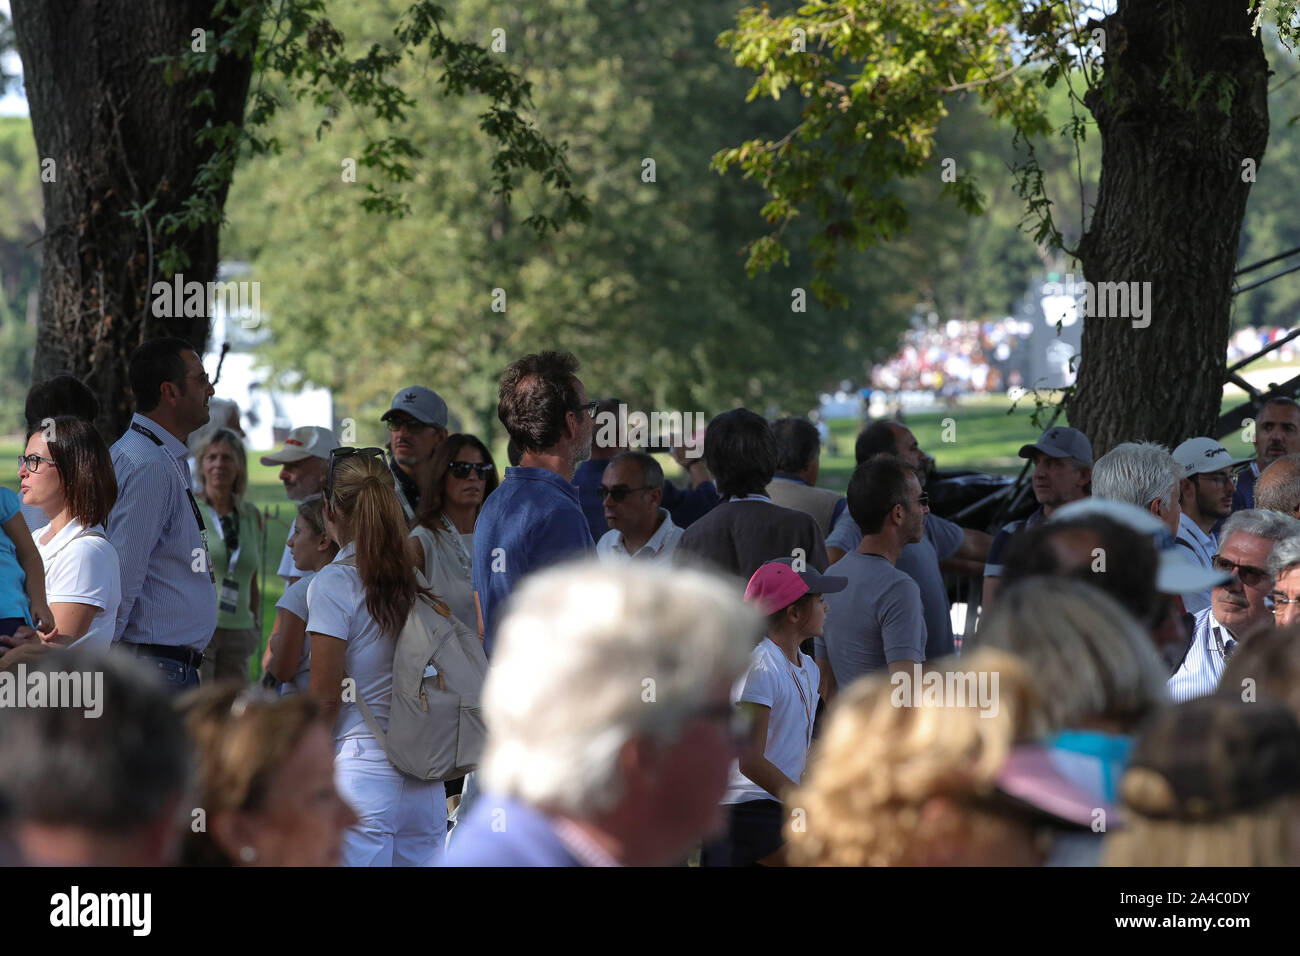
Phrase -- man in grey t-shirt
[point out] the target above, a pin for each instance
(877, 621)
(943, 540)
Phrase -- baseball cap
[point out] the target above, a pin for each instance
(1061, 442)
(422, 404)
(776, 585)
(1211, 757)
(1177, 573)
(1196, 456)
(306, 441)
(1030, 777)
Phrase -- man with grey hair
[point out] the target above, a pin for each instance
(1237, 608)
(1284, 563)
(632, 490)
(612, 730)
(1278, 487)
(96, 789)
(1143, 474)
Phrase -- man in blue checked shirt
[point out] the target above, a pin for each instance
(169, 593)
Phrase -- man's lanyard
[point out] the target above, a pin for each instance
(194, 505)
(1224, 653)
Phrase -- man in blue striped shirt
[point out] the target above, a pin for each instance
(169, 596)
(1238, 608)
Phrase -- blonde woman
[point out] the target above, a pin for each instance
(904, 778)
(1213, 782)
(234, 531)
(356, 608)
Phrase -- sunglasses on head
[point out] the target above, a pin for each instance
(618, 492)
(463, 469)
(338, 454)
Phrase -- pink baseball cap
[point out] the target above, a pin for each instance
(776, 585)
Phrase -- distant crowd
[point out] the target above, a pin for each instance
(582, 663)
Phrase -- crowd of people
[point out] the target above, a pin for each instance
(955, 357)
(581, 663)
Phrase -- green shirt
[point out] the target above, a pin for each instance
(246, 565)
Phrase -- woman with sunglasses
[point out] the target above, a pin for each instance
(461, 475)
(356, 607)
(67, 472)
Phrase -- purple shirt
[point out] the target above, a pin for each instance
(531, 521)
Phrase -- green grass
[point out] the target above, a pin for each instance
(979, 436)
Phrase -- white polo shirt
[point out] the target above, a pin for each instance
(660, 547)
(1201, 548)
(1198, 675)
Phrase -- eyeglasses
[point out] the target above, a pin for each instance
(1217, 479)
(1249, 576)
(618, 492)
(589, 408)
(463, 469)
(1277, 599)
(338, 454)
(924, 500)
(410, 424)
(33, 462)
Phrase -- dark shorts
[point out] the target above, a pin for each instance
(753, 832)
(10, 624)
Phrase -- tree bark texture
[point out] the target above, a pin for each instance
(1169, 210)
(118, 135)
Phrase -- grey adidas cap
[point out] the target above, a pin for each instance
(1061, 442)
(422, 404)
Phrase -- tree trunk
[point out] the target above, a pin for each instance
(118, 135)
(1169, 210)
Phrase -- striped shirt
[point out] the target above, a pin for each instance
(168, 594)
(1199, 673)
(1201, 548)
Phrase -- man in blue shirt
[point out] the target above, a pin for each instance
(534, 518)
(1277, 433)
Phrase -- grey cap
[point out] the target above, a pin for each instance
(1061, 442)
(422, 404)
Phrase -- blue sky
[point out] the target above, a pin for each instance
(12, 103)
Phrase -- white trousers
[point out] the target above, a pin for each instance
(403, 821)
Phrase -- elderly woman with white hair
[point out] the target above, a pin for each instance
(611, 730)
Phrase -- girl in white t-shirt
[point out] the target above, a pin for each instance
(67, 472)
(312, 549)
(780, 693)
(356, 607)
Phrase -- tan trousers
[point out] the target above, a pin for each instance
(226, 657)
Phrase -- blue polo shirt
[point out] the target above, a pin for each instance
(13, 580)
(531, 521)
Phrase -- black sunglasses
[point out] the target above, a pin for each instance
(338, 454)
(589, 408)
(618, 492)
(1250, 576)
(462, 469)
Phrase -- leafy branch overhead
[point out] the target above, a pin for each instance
(876, 77)
(296, 51)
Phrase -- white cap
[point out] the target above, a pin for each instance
(307, 441)
(1196, 456)
(1177, 573)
